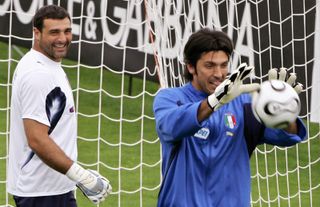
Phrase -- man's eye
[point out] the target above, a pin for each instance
(54, 32)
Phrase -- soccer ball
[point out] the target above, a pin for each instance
(276, 104)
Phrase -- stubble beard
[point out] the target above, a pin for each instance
(52, 54)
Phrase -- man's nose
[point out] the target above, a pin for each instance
(217, 72)
(62, 37)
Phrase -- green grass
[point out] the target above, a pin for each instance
(129, 143)
(124, 142)
(282, 165)
(120, 138)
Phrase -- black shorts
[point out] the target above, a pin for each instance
(64, 200)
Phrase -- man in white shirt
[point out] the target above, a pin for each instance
(42, 168)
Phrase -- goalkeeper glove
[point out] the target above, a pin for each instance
(232, 87)
(281, 74)
(94, 186)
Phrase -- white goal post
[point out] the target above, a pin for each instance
(123, 52)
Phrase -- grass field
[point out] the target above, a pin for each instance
(119, 138)
(121, 141)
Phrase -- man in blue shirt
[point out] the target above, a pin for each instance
(208, 131)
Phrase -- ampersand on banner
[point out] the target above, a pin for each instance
(90, 25)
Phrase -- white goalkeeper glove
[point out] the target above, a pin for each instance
(93, 185)
(281, 74)
(232, 87)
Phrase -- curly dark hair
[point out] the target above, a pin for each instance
(203, 41)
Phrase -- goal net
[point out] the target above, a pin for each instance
(123, 52)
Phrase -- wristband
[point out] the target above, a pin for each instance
(213, 102)
(74, 172)
(80, 175)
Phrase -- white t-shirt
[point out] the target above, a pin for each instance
(40, 91)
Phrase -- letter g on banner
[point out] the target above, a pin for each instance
(118, 12)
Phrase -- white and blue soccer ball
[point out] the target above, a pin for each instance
(276, 104)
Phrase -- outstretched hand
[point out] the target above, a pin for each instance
(282, 74)
(232, 87)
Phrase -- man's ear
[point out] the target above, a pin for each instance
(191, 69)
(36, 33)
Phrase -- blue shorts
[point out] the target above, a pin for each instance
(64, 200)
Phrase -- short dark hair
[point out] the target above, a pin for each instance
(202, 41)
(49, 12)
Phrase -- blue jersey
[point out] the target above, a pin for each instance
(207, 164)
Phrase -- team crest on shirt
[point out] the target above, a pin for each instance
(230, 120)
(203, 133)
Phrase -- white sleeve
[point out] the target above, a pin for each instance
(33, 92)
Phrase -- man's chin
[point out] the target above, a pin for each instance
(211, 90)
(60, 55)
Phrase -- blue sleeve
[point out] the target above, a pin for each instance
(280, 137)
(174, 119)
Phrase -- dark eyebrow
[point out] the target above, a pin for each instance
(225, 63)
(211, 62)
(58, 30)
(54, 30)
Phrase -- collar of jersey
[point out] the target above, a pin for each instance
(193, 90)
(45, 59)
